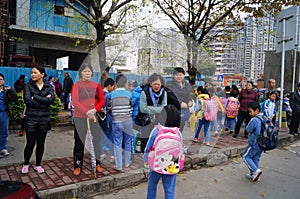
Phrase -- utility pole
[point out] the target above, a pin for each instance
(295, 51)
(283, 20)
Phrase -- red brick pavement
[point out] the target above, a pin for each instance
(58, 172)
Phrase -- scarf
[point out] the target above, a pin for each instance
(155, 96)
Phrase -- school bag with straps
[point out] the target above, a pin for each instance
(166, 154)
(210, 109)
(232, 108)
(268, 137)
(223, 100)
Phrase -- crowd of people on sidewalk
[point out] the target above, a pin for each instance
(120, 116)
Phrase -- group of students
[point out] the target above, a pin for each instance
(208, 105)
(218, 110)
(110, 113)
(111, 109)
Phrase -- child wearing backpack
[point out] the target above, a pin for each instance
(269, 107)
(252, 153)
(202, 119)
(231, 110)
(165, 160)
(215, 106)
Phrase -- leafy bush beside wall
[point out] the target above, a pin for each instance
(17, 109)
(55, 108)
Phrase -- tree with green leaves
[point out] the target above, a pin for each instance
(196, 18)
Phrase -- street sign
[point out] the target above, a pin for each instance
(220, 78)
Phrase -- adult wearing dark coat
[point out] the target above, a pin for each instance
(295, 105)
(67, 87)
(38, 96)
(20, 84)
(184, 93)
(245, 97)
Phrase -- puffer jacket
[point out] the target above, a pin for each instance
(38, 108)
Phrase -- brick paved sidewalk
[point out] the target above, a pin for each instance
(58, 172)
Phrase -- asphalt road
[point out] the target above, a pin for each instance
(280, 180)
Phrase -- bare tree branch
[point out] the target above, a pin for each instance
(88, 18)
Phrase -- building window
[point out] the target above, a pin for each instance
(60, 10)
(69, 12)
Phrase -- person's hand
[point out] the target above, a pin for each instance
(183, 105)
(48, 96)
(7, 87)
(190, 103)
(90, 113)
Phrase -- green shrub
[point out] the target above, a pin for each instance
(17, 109)
(55, 108)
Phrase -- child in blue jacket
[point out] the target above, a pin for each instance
(170, 117)
(252, 153)
(269, 107)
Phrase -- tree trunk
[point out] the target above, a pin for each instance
(101, 49)
(191, 60)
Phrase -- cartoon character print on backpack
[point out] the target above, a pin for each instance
(268, 138)
(232, 108)
(166, 155)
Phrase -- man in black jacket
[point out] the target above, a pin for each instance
(295, 105)
(67, 87)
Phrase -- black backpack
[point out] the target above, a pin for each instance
(268, 138)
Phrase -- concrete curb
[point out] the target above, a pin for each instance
(118, 181)
(100, 185)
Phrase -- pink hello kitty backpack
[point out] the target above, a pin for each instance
(166, 154)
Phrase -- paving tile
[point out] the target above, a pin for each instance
(58, 172)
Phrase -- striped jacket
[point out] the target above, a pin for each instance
(119, 105)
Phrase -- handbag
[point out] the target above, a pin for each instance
(101, 115)
(142, 119)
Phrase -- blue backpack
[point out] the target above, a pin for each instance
(268, 138)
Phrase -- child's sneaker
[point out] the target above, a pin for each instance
(4, 152)
(206, 143)
(256, 175)
(112, 159)
(216, 134)
(118, 169)
(127, 165)
(249, 176)
(39, 169)
(102, 157)
(25, 169)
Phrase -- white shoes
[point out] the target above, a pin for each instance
(216, 134)
(256, 175)
(4, 152)
(102, 157)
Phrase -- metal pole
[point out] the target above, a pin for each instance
(282, 71)
(295, 52)
(149, 54)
